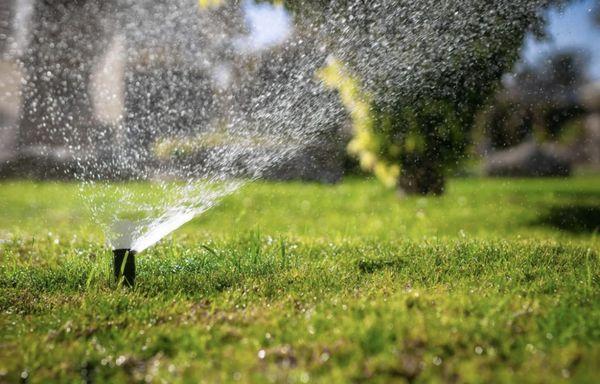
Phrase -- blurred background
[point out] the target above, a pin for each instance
(542, 118)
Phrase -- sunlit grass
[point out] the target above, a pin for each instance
(496, 281)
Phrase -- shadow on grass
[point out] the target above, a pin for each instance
(575, 218)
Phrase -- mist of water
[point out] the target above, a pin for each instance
(207, 109)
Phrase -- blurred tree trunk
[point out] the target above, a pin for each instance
(57, 116)
(421, 177)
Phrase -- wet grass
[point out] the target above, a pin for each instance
(292, 283)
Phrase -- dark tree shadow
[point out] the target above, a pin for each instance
(575, 218)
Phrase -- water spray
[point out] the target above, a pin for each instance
(128, 238)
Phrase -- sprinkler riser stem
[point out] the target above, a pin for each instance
(124, 266)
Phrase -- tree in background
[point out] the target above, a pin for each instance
(413, 74)
(6, 16)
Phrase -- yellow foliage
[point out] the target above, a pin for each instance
(365, 143)
(387, 174)
(204, 4)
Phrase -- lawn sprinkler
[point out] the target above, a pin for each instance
(123, 253)
(124, 266)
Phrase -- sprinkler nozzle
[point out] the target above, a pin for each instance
(124, 266)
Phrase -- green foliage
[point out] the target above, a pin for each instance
(420, 139)
(425, 76)
(485, 284)
(427, 135)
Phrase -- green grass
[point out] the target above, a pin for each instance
(498, 280)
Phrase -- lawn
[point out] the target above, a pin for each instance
(498, 280)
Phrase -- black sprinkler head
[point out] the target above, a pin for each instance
(124, 266)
